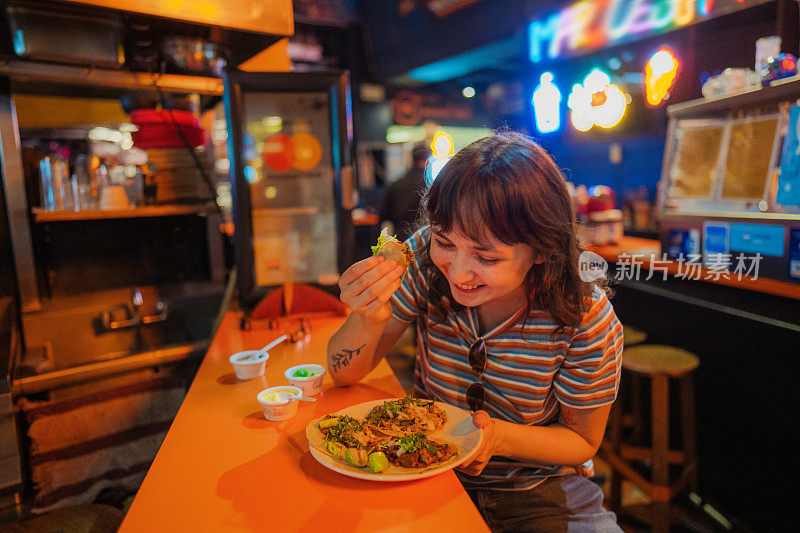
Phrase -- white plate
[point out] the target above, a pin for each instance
(459, 430)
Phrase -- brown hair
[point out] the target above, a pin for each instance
(508, 186)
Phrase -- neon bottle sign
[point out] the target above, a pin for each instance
(547, 104)
(593, 24)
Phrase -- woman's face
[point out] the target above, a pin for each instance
(481, 272)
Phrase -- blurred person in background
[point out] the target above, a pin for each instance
(401, 202)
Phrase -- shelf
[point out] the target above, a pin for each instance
(42, 215)
(781, 89)
(677, 214)
(367, 220)
(26, 72)
(287, 211)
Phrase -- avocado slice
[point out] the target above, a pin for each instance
(329, 422)
(356, 457)
(336, 450)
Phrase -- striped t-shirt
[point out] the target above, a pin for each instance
(528, 374)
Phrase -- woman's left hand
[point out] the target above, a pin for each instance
(489, 444)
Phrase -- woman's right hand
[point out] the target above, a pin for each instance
(367, 286)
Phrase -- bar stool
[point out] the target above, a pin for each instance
(635, 385)
(657, 363)
(632, 336)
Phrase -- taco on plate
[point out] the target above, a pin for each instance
(352, 443)
(407, 415)
(417, 451)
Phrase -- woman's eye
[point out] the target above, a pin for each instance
(487, 261)
(442, 244)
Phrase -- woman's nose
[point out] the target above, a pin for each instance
(461, 271)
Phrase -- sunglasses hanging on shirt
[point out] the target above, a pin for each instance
(476, 393)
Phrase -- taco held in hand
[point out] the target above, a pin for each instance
(390, 248)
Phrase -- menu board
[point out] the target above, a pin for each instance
(749, 158)
(694, 163)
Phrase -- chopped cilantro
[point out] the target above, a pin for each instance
(412, 443)
(432, 448)
(344, 429)
(391, 407)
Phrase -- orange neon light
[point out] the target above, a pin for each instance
(442, 145)
(659, 76)
(684, 12)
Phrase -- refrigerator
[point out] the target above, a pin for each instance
(289, 148)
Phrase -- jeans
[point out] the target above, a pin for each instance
(569, 503)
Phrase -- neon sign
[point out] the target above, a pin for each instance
(659, 76)
(442, 145)
(596, 102)
(547, 104)
(592, 24)
(442, 149)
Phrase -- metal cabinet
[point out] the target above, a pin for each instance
(91, 284)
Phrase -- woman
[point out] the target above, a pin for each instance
(505, 327)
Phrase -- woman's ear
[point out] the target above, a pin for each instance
(539, 259)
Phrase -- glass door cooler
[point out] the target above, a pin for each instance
(290, 150)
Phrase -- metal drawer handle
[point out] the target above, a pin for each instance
(133, 319)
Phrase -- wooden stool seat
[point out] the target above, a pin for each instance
(632, 336)
(652, 359)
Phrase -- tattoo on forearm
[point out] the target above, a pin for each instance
(342, 358)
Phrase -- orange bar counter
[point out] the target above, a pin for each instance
(647, 249)
(223, 467)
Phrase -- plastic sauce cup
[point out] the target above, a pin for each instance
(310, 385)
(249, 364)
(279, 403)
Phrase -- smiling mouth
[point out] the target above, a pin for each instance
(468, 288)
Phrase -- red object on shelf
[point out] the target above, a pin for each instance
(159, 129)
(278, 153)
(601, 198)
(599, 203)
